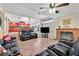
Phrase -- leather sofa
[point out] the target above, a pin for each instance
(51, 46)
(43, 53)
(69, 43)
(47, 52)
(14, 51)
(11, 47)
(26, 35)
(5, 54)
(59, 49)
(51, 53)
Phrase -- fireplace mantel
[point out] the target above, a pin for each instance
(68, 29)
(75, 32)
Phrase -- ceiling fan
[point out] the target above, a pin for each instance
(53, 6)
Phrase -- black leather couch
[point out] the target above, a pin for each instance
(4, 54)
(47, 52)
(51, 53)
(43, 53)
(11, 47)
(26, 35)
(62, 48)
(69, 43)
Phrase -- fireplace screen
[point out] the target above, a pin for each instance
(66, 35)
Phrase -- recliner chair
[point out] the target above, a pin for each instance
(12, 47)
(51, 52)
(50, 47)
(10, 44)
(62, 44)
(5, 54)
(47, 52)
(14, 51)
(43, 53)
(61, 49)
(66, 42)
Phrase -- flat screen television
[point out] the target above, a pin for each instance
(44, 29)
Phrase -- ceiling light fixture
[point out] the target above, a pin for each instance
(52, 10)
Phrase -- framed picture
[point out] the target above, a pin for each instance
(66, 21)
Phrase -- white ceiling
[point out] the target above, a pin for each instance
(33, 9)
(23, 9)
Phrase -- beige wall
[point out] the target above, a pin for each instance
(59, 22)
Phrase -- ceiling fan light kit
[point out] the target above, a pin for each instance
(52, 10)
(52, 7)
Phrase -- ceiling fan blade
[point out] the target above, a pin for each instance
(44, 7)
(64, 4)
(49, 6)
(41, 7)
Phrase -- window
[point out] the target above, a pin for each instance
(66, 21)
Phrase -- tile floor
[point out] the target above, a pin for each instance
(34, 46)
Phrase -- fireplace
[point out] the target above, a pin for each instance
(70, 34)
(66, 36)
